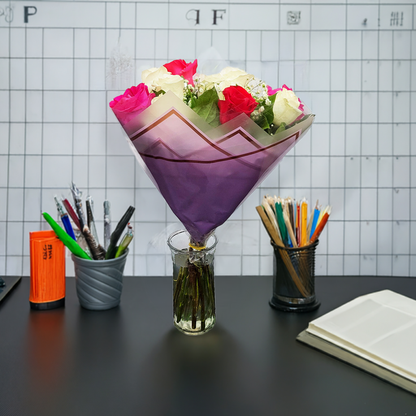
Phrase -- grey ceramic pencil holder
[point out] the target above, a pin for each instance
(99, 283)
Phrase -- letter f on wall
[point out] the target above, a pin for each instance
(217, 16)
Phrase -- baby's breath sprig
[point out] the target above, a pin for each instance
(188, 92)
(258, 90)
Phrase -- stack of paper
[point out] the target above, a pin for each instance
(375, 332)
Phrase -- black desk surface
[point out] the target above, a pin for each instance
(131, 361)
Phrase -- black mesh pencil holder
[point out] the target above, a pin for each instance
(294, 278)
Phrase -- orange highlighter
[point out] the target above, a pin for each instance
(47, 271)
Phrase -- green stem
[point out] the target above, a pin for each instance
(192, 269)
(180, 300)
(201, 279)
(193, 294)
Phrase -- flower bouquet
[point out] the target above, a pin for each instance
(206, 142)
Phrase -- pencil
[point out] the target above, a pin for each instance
(321, 214)
(271, 215)
(321, 225)
(303, 222)
(315, 219)
(289, 229)
(281, 222)
(298, 224)
(285, 256)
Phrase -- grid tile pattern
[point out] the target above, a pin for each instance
(352, 62)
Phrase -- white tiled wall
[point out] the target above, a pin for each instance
(352, 62)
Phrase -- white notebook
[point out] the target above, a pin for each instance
(379, 328)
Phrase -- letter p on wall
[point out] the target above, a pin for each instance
(29, 11)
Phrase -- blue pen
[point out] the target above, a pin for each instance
(65, 219)
(315, 219)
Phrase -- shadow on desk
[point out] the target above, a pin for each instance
(198, 372)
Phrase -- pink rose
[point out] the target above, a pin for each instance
(271, 91)
(180, 67)
(131, 103)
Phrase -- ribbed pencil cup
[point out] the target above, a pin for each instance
(99, 283)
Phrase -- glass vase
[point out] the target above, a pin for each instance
(193, 284)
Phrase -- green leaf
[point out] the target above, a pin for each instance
(262, 121)
(266, 117)
(282, 127)
(268, 109)
(192, 101)
(206, 106)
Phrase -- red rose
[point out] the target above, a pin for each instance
(180, 67)
(132, 102)
(237, 101)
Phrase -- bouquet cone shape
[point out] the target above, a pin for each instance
(205, 173)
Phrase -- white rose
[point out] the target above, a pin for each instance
(149, 75)
(285, 107)
(227, 77)
(158, 79)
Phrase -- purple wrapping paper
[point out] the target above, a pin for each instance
(204, 174)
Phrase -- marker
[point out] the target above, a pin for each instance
(65, 238)
(125, 241)
(116, 234)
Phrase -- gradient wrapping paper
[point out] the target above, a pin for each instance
(205, 173)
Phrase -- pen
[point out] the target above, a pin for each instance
(116, 234)
(90, 234)
(125, 241)
(65, 238)
(77, 194)
(64, 218)
(71, 212)
(90, 218)
(107, 224)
